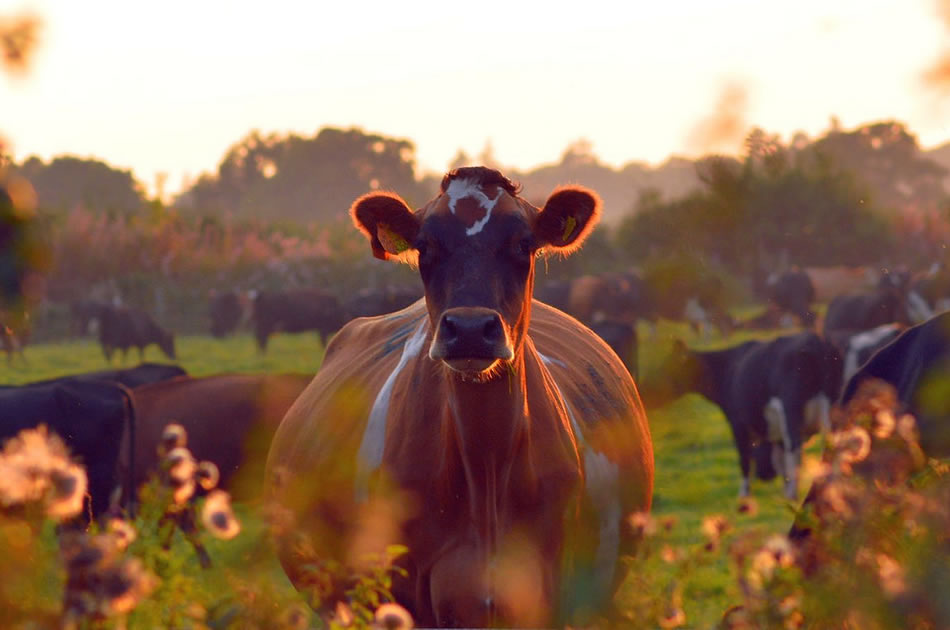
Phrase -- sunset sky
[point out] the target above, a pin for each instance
(169, 86)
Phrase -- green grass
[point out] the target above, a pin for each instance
(697, 472)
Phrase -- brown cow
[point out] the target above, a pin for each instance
(507, 440)
(230, 419)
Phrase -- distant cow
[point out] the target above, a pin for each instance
(230, 420)
(510, 438)
(611, 295)
(371, 302)
(227, 309)
(793, 292)
(91, 418)
(296, 310)
(125, 327)
(556, 293)
(864, 311)
(84, 315)
(776, 392)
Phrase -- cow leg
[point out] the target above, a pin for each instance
(787, 461)
(740, 435)
(818, 415)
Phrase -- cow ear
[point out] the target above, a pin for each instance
(568, 217)
(388, 223)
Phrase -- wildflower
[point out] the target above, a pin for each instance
(180, 465)
(668, 523)
(781, 549)
(748, 506)
(67, 492)
(891, 575)
(851, 445)
(125, 585)
(174, 436)
(642, 523)
(392, 617)
(183, 492)
(907, 429)
(343, 616)
(884, 424)
(207, 475)
(714, 526)
(26, 462)
(674, 618)
(217, 516)
(296, 617)
(123, 532)
(668, 554)
(736, 618)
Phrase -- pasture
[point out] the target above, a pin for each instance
(696, 476)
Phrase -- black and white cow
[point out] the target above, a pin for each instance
(775, 392)
(857, 346)
(917, 364)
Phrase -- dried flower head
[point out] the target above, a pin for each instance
(207, 475)
(180, 465)
(851, 445)
(124, 585)
(26, 462)
(884, 424)
(174, 436)
(67, 492)
(748, 506)
(674, 618)
(343, 615)
(891, 575)
(392, 617)
(123, 532)
(642, 524)
(182, 492)
(217, 516)
(295, 617)
(714, 526)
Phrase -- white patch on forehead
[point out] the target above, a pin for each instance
(370, 455)
(466, 188)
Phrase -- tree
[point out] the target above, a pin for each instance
(67, 182)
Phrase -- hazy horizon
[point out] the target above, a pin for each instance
(170, 89)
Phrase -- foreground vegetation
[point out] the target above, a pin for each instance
(698, 559)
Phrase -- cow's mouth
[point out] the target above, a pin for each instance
(471, 366)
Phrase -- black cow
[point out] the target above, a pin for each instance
(133, 377)
(83, 314)
(556, 293)
(857, 346)
(793, 292)
(125, 327)
(917, 364)
(226, 309)
(90, 416)
(294, 311)
(772, 392)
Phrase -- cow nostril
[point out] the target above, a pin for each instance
(492, 329)
(449, 329)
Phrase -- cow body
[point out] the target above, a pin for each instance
(124, 327)
(90, 416)
(776, 392)
(296, 310)
(917, 364)
(230, 420)
(506, 441)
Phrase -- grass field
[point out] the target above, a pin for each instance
(696, 464)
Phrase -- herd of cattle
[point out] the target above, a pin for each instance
(517, 433)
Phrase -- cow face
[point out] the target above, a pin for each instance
(475, 245)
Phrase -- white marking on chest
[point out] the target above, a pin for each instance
(462, 188)
(601, 481)
(370, 455)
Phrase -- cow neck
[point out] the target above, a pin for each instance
(713, 373)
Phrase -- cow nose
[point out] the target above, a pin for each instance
(472, 330)
(473, 334)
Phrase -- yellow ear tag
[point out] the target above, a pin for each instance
(391, 242)
(569, 224)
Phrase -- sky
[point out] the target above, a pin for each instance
(167, 87)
